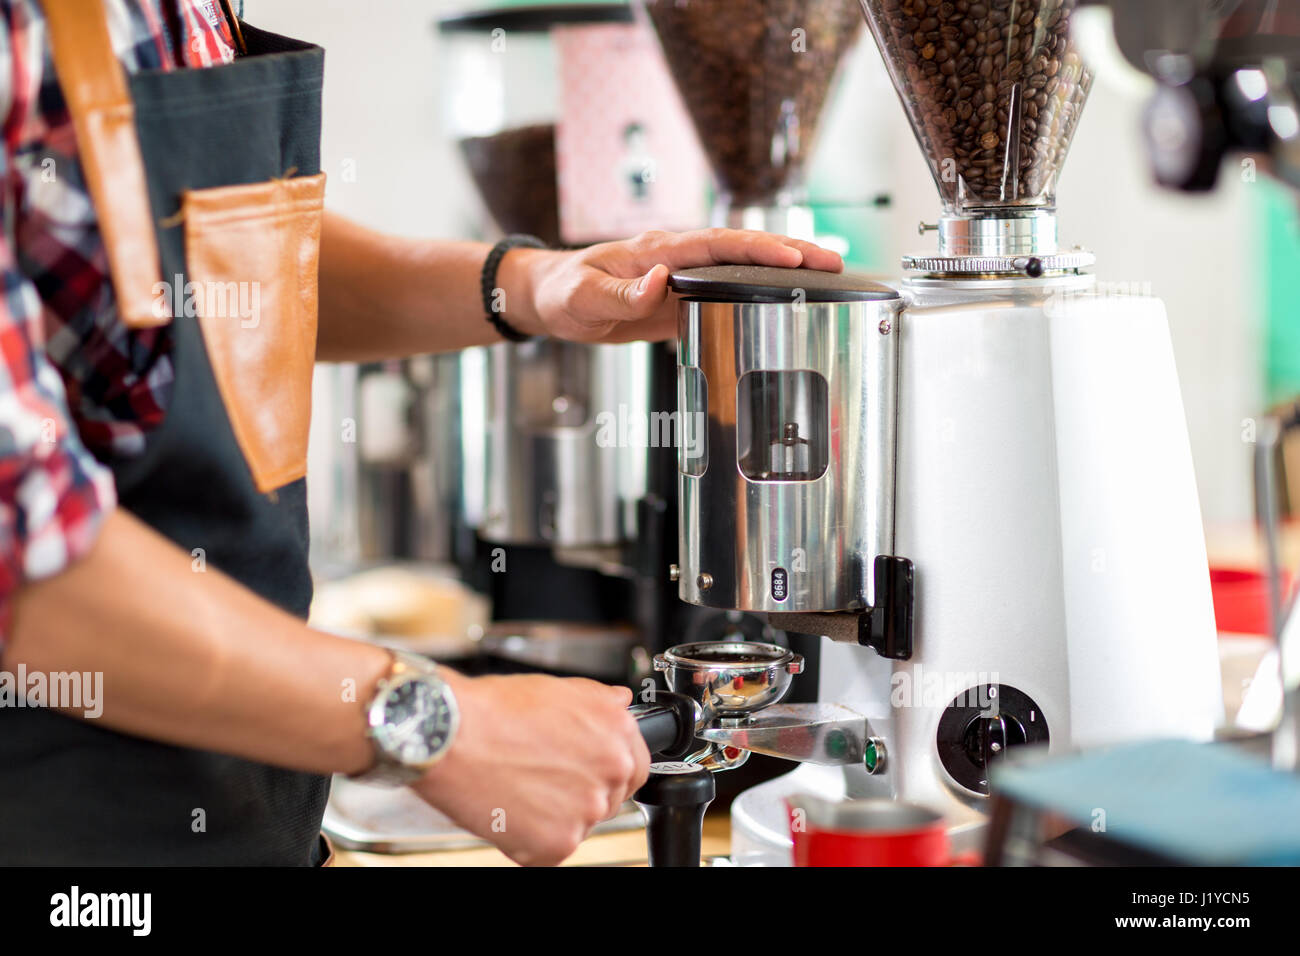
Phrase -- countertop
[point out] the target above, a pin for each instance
(611, 849)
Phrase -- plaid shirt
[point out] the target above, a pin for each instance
(75, 384)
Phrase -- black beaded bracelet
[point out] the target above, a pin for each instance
(488, 283)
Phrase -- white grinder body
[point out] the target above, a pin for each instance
(1045, 495)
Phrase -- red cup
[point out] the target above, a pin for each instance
(1241, 599)
(874, 832)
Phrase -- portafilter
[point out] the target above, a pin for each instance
(722, 704)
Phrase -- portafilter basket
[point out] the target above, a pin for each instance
(729, 679)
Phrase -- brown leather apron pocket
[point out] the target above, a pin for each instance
(252, 253)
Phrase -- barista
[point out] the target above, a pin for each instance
(153, 444)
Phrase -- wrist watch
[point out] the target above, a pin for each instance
(412, 720)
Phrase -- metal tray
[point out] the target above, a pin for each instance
(394, 820)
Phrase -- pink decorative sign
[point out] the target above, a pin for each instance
(626, 154)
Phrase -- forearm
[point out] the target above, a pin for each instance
(195, 659)
(385, 297)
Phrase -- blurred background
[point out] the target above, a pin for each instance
(1224, 264)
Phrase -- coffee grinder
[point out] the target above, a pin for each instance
(564, 500)
(754, 76)
(977, 484)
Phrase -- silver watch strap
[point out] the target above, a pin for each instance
(385, 771)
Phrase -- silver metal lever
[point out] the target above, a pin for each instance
(829, 734)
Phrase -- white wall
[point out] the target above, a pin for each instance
(383, 88)
(382, 110)
(388, 166)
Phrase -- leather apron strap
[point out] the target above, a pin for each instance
(104, 118)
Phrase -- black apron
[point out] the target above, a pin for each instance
(72, 792)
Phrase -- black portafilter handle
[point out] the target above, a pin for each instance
(674, 799)
(667, 724)
(676, 795)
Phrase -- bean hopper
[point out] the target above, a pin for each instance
(976, 483)
(754, 76)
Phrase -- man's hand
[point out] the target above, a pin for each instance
(537, 762)
(382, 297)
(618, 291)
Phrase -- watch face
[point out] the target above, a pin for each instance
(417, 722)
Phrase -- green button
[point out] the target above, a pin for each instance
(871, 757)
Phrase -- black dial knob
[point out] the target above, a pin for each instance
(987, 738)
(980, 726)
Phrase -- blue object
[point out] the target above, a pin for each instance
(1200, 804)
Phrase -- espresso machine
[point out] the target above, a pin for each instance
(976, 483)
